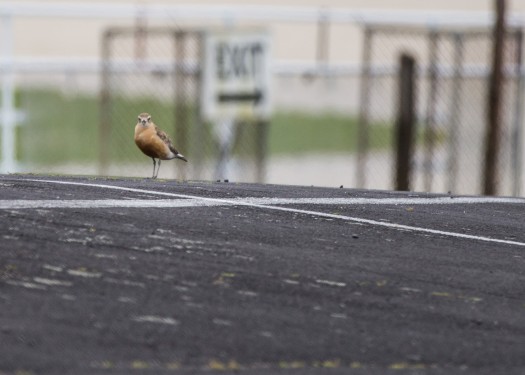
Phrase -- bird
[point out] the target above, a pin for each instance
(154, 142)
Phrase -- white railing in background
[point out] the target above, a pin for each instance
(229, 13)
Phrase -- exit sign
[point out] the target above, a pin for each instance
(236, 75)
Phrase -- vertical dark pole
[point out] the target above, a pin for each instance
(405, 121)
(261, 150)
(430, 121)
(104, 130)
(517, 140)
(181, 106)
(364, 104)
(494, 102)
(199, 139)
(455, 112)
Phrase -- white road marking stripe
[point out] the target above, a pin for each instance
(315, 213)
(197, 202)
(233, 201)
(381, 201)
(102, 203)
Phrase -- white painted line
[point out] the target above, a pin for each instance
(316, 213)
(248, 201)
(380, 201)
(102, 203)
(198, 202)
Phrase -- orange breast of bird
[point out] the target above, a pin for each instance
(149, 143)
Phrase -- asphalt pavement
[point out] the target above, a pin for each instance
(119, 276)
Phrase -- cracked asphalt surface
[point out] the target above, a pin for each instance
(242, 288)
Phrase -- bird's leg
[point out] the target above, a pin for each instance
(158, 168)
(154, 164)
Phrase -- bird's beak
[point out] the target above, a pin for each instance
(143, 122)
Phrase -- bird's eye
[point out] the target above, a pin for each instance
(149, 119)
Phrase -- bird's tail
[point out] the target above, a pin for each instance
(181, 157)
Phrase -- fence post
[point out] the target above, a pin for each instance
(104, 131)
(455, 112)
(180, 107)
(430, 121)
(494, 102)
(405, 121)
(7, 106)
(364, 108)
(261, 150)
(517, 132)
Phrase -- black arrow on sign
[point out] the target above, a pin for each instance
(252, 96)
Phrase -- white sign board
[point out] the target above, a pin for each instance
(236, 75)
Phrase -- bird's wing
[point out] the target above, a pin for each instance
(163, 136)
(166, 139)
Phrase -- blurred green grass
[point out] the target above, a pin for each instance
(299, 132)
(61, 127)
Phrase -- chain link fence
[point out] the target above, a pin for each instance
(451, 107)
(158, 71)
(333, 122)
(58, 120)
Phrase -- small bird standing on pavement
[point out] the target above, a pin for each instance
(154, 142)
